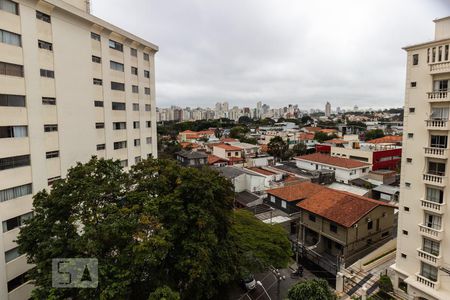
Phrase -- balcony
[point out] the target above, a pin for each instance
(427, 282)
(438, 96)
(433, 152)
(433, 206)
(434, 179)
(438, 68)
(432, 233)
(437, 124)
(428, 258)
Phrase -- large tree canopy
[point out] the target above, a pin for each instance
(315, 289)
(159, 229)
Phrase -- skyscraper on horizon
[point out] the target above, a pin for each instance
(328, 109)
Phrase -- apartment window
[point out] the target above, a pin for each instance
(136, 124)
(146, 56)
(13, 131)
(148, 107)
(11, 69)
(43, 17)
(118, 106)
(12, 254)
(117, 86)
(406, 208)
(95, 36)
(409, 160)
(405, 232)
(410, 135)
(97, 81)
(439, 113)
(14, 162)
(134, 70)
(96, 59)
(428, 271)
(120, 145)
(48, 101)
(272, 199)
(115, 45)
(413, 84)
(135, 106)
(403, 255)
(440, 53)
(370, 225)
(133, 52)
(149, 140)
(434, 195)
(137, 142)
(412, 110)
(333, 227)
(16, 222)
(116, 66)
(440, 85)
(137, 159)
(119, 125)
(15, 192)
(10, 38)
(101, 147)
(17, 281)
(312, 217)
(433, 55)
(47, 73)
(99, 125)
(147, 91)
(433, 221)
(124, 163)
(98, 103)
(436, 168)
(149, 124)
(415, 58)
(12, 100)
(135, 89)
(146, 74)
(283, 204)
(438, 141)
(51, 154)
(52, 180)
(9, 6)
(446, 52)
(45, 45)
(430, 246)
(50, 127)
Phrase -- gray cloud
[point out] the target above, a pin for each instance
(278, 51)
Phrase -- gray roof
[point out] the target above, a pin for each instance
(230, 172)
(387, 189)
(245, 197)
(192, 154)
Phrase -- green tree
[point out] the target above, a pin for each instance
(238, 132)
(373, 134)
(259, 245)
(385, 284)
(322, 136)
(300, 149)
(164, 293)
(249, 140)
(277, 147)
(315, 289)
(306, 120)
(246, 120)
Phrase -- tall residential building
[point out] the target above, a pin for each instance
(71, 86)
(422, 265)
(328, 109)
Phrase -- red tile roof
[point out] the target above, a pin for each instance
(261, 171)
(227, 140)
(296, 192)
(228, 147)
(333, 161)
(391, 139)
(336, 141)
(313, 129)
(306, 136)
(212, 159)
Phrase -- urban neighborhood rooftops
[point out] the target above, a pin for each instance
(228, 147)
(295, 192)
(192, 154)
(390, 139)
(333, 161)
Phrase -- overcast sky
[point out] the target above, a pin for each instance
(303, 52)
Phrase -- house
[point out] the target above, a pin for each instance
(193, 136)
(262, 160)
(192, 158)
(217, 161)
(333, 228)
(345, 169)
(232, 154)
(271, 177)
(249, 150)
(243, 180)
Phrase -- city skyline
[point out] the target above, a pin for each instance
(286, 54)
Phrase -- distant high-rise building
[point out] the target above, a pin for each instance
(422, 265)
(328, 109)
(338, 110)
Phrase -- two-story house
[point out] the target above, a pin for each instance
(232, 154)
(192, 158)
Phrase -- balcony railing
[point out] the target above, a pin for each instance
(436, 152)
(427, 282)
(437, 124)
(434, 179)
(442, 67)
(428, 257)
(439, 96)
(433, 206)
(436, 234)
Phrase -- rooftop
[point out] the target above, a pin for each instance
(228, 147)
(191, 154)
(389, 139)
(261, 171)
(245, 198)
(296, 192)
(333, 161)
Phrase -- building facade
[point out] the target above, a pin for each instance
(71, 86)
(422, 264)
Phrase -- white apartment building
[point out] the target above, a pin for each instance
(71, 86)
(422, 265)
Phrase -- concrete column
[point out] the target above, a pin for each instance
(340, 282)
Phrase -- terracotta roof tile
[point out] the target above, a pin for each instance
(296, 192)
(387, 139)
(336, 141)
(212, 159)
(261, 171)
(228, 147)
(333, 161)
